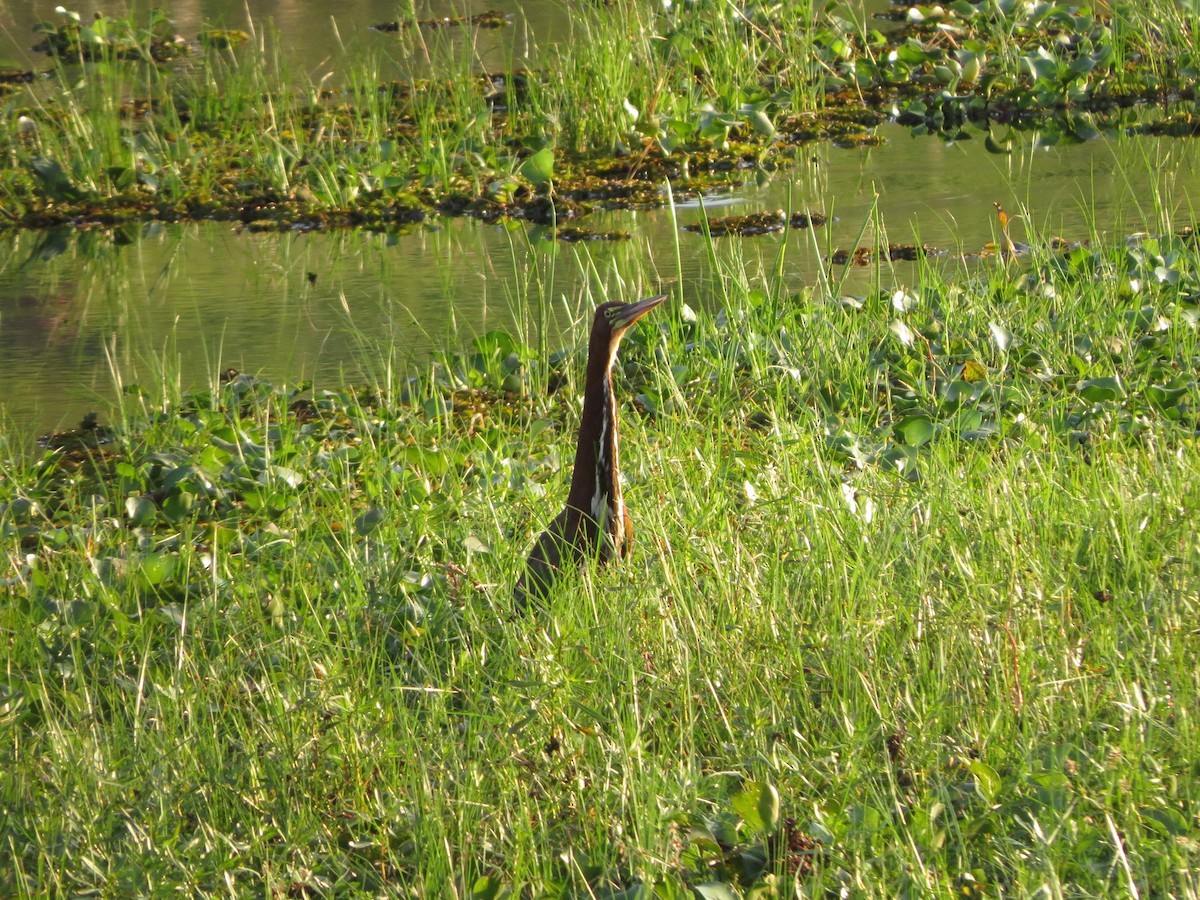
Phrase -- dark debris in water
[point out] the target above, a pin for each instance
(574, 235)
(489, 18)
(1180, 124)
(104, 38)
(89, 435)
(862, 256)
(17, 76)
(757, 223)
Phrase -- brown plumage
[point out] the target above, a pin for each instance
(595, 521)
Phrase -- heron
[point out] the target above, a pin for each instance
(595, 522)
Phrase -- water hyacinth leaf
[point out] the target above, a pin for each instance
(276, 474)
(901, 459)
(495, 342)
(973, 371)
(369, 520)
(141, 510)
(748, 805)
(714, 890)
(998, 147)
(987, 782)
(475, 544)
(432, 462)
(902, 332)
(158, 567)
(916, 430)
(539, 168)
(902, 301)
(1166, 396)
(53, 178)
(865, 818)
(487, 887)
(1163, 275)
(769, 807)
(967, 421)
(178, 507)
(1001, 336)
(761, 123)
(1100, 390)
(1082, 127)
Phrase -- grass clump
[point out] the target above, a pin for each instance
(912, 609)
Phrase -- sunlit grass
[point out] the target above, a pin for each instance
(925, 564)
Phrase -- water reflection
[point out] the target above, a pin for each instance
(320, 37)
(81, 310)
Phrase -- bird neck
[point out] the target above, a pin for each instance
(595, 481)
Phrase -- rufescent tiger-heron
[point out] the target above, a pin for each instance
(595, 522)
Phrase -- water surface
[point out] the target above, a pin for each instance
(83, 312)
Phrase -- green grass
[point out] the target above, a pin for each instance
(935, 586)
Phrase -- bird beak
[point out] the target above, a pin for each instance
(634, 311)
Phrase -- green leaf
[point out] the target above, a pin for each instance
(916, 430)
(141, 510)
(902, 332)
(1000, 335)
(1099, 390)
(761, 123)
(53, 178)
(1165, 396)
(474, 544)
(495, 342)
(987, 782)
(714, 890)
(865, 818)
(758, 806)
(769, 807)
(177, 507)
(539, 168)
(158, 567)
(369, 521)
(1164, 820)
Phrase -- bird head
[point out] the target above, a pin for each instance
(616, 317)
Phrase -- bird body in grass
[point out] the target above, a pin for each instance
(595, 522)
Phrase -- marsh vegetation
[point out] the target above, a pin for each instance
(913, 606)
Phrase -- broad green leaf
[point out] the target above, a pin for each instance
(1000, 335)
(474, 544)
(369, 521)
(141, 510)
(1099, 390)
(56, 182)
(178, 506)
(1164, 820)
(916, 430)
(761, 123)
(987, 782)
(158, 567)
(539, 168)
(714, 890)
(758, 806)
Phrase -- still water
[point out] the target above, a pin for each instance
(82, 312)
(319, 35)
